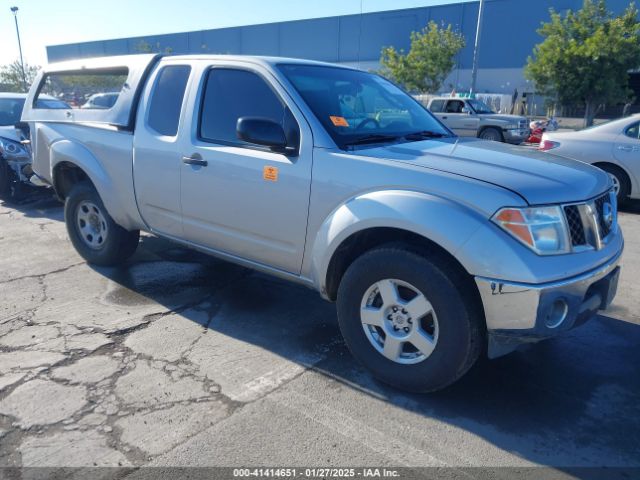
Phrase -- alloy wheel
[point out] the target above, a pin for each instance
(399, 321)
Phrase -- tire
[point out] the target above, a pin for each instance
(491, 133)
(453, 327)
(620, 180)
(5, 180)
(11, 188)
(92, 231)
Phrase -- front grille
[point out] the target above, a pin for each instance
(588, 224)
(605, 227)
(522, 124)
(576, 228)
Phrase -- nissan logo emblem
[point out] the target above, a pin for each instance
(607, 214)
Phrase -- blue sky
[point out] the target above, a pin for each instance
(51, 22)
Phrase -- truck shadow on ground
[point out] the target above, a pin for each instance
(37, 203)
(631, 206)
(567, 401)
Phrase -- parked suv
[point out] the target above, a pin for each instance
(469, 117)
(435, 248)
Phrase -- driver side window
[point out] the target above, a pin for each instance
(455, 106)
(233, 93)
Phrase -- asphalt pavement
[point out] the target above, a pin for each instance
(178, 359)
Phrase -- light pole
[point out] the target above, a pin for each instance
(14, 10)
(476, 48)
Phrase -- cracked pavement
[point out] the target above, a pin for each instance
(178, 359)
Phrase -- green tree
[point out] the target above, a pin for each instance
(11, 76)
(586, 56)
(429, 61)
(145, 47)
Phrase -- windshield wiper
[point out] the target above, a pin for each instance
(425, 134)
(373, 138)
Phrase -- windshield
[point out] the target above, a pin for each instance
(356, 107)
(480, 107)
(10, 111)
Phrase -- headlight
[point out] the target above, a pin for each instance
(542, 229)
(512, 126)
(12, 150)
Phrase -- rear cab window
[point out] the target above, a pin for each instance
(81, 89)
(166, 99)
(100, 91)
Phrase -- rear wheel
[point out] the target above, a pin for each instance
(492, 134)
(94, 234)
(405, 319)
(621, 183)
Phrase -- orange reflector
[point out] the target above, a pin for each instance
(512, 220)
(520, 231)
(510, 215)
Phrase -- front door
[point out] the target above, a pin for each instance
(242, 199)
(464, 124)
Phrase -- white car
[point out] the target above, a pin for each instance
(613, 146)
(101, 101)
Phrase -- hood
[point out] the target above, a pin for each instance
(9, 132)
(504, 118)
(538, 177)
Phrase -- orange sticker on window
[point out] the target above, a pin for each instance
(270, 173)
(339, 121)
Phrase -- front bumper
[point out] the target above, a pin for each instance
(516, 136)
(518, 313)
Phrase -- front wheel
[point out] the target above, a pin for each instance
(5, 182)
(492, 134)
(94, 234)
(406, 319)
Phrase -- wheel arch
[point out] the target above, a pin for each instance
(431, 225)
(72, 163)
(616, 166)
(370, 238)
(65, 175)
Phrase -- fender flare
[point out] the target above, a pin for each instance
(68, 151)
(446, 223)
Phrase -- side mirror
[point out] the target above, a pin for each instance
(466, 110)
(261, 131)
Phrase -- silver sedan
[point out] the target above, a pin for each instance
(613, 146)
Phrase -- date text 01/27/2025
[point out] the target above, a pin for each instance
(315, 473)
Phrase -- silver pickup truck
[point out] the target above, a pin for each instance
(435, 248)
(468, 117)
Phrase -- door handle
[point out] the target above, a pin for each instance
(195, 160)
(444, 118)
(625, 148)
